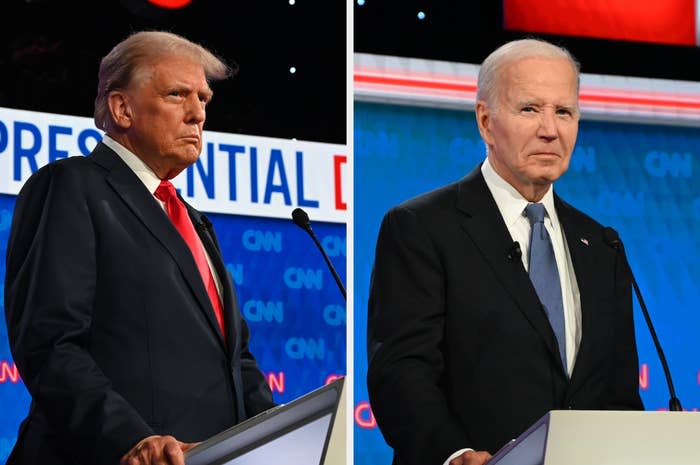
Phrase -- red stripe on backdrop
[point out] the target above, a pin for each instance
(640, 99)
(607, 96)
(413, 82)
(667, 21)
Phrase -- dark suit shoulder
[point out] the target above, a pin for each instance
(445, 203)
(70, 172)
(440, 197)
(566, 211)
(74, 164)
(425, 212)
(446, 197)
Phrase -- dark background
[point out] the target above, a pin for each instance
(50, 52)
(467, 31)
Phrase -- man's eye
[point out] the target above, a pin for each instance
(528, 109)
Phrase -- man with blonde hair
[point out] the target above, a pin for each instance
(492, 300)
(121, 315)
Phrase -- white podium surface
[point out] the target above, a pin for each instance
(297, 433)
(336, 453)
(570, 437)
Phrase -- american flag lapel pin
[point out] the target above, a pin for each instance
(585, 241)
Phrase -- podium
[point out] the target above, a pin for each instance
(586, 437)
(300, 432)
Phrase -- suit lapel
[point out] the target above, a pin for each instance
(228, 297)
(582, 249)
(141, 202)
(486, 228)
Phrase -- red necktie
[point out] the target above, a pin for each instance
(178, 215)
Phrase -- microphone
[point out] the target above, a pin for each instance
(301, 219)
(514, 253)
(611, 238)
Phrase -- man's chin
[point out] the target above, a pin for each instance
(188, 157)
(549, 172)
(179, 163)
(546, 177)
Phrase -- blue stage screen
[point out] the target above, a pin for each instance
(640, 179)
(289, 298)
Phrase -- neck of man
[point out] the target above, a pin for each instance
(533, 192)
(161, 170)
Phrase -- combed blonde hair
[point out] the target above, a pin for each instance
(121, 66)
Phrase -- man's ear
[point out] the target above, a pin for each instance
(484, 116)
(120, 109)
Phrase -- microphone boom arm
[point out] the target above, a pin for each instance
(301, 219)
(674, 404)
(328, 262)
(613, 240)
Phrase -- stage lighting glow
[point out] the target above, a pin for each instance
(170, 4)
(292, 70)
(421, 15)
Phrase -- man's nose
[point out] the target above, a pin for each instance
(548, 125)
(194, 110)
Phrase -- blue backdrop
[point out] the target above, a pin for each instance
(287, 295)
(639, 179)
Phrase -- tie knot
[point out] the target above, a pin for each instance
(535, 213)
(165, 191)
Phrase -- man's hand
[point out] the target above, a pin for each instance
(157, 450)
(471, 457)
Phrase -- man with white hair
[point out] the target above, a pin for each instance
(492, 300)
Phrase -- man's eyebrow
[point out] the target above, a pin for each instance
(538, 103)
(568, 106)
(529, 102)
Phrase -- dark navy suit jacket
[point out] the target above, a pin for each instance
(109, 321)
(461, 351)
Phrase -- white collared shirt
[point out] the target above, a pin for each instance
(151, 181)
(511, 204)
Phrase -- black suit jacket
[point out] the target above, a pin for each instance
(461, 351)
(109, 321)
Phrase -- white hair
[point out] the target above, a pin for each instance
(511, 52)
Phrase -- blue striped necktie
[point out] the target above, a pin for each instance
(545, 276)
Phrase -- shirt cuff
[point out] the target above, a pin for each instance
(455, 455)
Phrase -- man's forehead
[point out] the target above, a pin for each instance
(179, 71)
(530, 67)
(532, 78)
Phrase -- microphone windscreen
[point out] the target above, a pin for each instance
(611, 237)
(301, 219)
